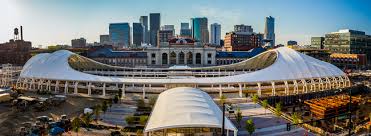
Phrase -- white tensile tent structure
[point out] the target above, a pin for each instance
(185, 107)
(266, 73)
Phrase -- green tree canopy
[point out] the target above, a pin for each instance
(238, 116)
(250, 126)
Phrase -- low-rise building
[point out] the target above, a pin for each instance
(119, 58)
(349, 61)
(230, 57)
(181, 51)
(15, 52)
(240, 41)
(78, 43)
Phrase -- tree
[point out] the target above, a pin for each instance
(76, 124)
(255, 99)
(87, 118)
(250, 126)
(140, 103)
(120, 93)
(295, 117)
(222, 99)
(97, 110)
(238, 115)
(104, 106)
(143, 120)
(278, 109)
(116, 99)
(152, 101)
(265, 105)
(130, 119)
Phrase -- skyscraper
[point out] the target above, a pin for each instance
(269, 30)
(144, 21)
(138, 34)
(243, 28)
(104, 39)
(215, 33)
(184, 30)
(155, 23)
(168, 28)
(120, 34)
(199, 29)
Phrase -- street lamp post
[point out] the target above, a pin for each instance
(223, 120)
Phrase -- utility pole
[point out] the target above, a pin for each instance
(350, 112)
(223, 126)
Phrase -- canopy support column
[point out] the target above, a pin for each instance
(66, 87)
(123, 91)
(144, 91)
(49, 86)
(320, 84)
(89, 88)
(286, 88)
(348, 81)
(305, 89)
(75, 88)
(56, 87)
(296, 88)
(104, 89)
(220, 91)
(273, 89)
(33, 84)
(240, 90)
(259, 89)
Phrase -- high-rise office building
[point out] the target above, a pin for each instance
(120, 34)
(154, 23)
(168, 27)
(349, 41)
(164, 36)
(138, 34)
(200, 30)
(78, 43)
(184, 30)
(243, 28)
(269, 30)
(104, 39)
(144, 21)
(215, 33)
(317, 42)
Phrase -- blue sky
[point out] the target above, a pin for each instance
(49, 22)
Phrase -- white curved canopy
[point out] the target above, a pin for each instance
(186, 107)
(289, 65)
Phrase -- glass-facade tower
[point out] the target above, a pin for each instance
(269, 30)
(155, 23)
(120, 34)
(200, 31)
(138, 34)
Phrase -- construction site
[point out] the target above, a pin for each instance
(336, 112)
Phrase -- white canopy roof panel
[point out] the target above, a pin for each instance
(289, 65)
(186, 107)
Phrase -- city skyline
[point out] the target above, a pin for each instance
(57, 22)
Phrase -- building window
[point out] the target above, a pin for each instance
(189, 58)
(164, 58)
(153, 62)
(198, 58)
(209, 55)
(172, 58)
(209, 62)
(181, 58)
(153, 55)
